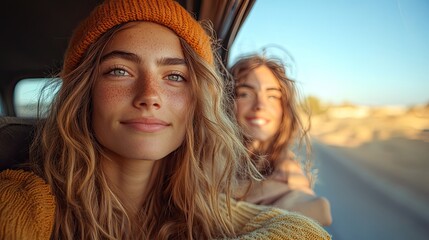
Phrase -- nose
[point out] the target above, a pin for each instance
(148, 94)
(259, 102)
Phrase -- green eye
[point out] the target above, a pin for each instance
(176, 78)
(118, 72)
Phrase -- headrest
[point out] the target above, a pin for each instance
(16, 135)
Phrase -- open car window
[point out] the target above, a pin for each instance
(363, 68)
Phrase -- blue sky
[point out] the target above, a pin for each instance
(368, 52)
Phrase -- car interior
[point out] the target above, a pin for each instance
(35, 38)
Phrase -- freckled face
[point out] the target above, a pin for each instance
(141, 97)
(258, 104)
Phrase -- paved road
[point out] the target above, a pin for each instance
(361, 210)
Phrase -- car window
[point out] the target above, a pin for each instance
(27, 94)
(362, 69)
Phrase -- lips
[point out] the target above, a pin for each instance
(257, 121)
(149, 125)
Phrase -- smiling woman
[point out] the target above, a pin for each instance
(122, 154)
(266, 109)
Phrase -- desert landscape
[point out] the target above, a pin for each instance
(391, 142)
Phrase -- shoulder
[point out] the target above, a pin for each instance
(262, 222)
(27, 206)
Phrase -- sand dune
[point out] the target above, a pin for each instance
(391, 142)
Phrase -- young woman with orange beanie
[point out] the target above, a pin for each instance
(266, 109)
(138, 143)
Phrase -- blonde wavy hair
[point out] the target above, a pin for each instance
(191, 200)
(291, 126)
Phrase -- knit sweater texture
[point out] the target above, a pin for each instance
(27, 209)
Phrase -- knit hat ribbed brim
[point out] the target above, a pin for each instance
(114, 12)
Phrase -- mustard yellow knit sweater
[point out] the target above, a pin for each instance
(27, 209)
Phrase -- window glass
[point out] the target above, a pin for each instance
(28, 92)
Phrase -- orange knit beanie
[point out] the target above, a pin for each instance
(114, 12)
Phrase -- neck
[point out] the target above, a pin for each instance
(130, 180)
(259, 146)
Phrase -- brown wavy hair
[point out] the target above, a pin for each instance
(189, 201)
(291, 126)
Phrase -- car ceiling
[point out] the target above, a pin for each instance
(36, 33)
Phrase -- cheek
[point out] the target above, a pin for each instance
(106, 96)
(241, 108)
(178, 102)
(278, 111)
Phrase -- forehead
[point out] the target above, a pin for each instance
(145, 37)
(260, 77)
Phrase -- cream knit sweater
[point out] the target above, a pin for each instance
(27, 209)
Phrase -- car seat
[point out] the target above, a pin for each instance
(16, 135)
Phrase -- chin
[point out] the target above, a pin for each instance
(261, 137)
(150, 156)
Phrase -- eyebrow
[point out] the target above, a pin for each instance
(245, 85)
(121, 54)
(171, 61)
(165, 61)
(273, 89)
